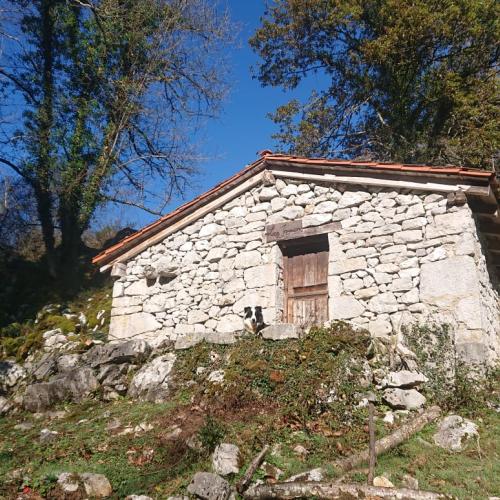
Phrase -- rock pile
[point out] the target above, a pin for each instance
(110, 369)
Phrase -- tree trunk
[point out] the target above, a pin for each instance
(243, 483)
(71, 245)
(44, 210)
(392, 440)
(334, 491)
(45, 120)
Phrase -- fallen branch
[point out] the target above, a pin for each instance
(334, 491)
(392, 440)
(247, 477)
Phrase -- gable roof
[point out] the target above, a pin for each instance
(445, 175)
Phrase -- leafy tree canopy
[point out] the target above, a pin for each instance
(413, 81)
(99, 97)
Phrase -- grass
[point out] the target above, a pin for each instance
(17, 339)
(472, 473)
(274, 393)
(85, 445)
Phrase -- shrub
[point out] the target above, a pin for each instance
(211, 433)
(453, 384)
(302, 380)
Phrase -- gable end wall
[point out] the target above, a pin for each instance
(396, 258)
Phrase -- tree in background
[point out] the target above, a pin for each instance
(107, 92)
(406, 81)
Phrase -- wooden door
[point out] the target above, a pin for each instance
(306, 285)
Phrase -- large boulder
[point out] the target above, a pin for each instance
(5, 405)
(452, 431)
(46, 366)
(209, 486)
(74, 385)
(10, 375)
(401, 399)
(226, 459)
(404, 378)
(94, 485)
(151, 382)
(281, 331)
(133, 351)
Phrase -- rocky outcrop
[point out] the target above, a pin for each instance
(151, 382)
(74, 385)
(226, 459)
(453, 431)
(133, 351)
(209, 486)
(11, 374)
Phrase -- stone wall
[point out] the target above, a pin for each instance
(396, 258)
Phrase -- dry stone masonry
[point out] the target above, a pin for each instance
(395, 257)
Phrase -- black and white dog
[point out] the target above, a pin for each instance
(253, 320)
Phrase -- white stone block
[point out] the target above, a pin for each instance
(316, 219)
(139, 287)
(210, 230)
(353, 198)
(386, 230)
(215, 254)
(292, 212)
(259, 276)
(335, 287)
(412, 236)
(244, 260)
(383, 303)
(402, 285)
(445, 282)
(196, 316)
(353, 284)
(450, 223)
(289, 190)
(366, 293)
(325, 207)
(278, 204)
(344, 308)
(230, 323)
(132, 325)
(268, 193)
(347, 265)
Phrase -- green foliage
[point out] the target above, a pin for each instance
(86, 444)
(18, 339)
(211, 434)
(45, 484)
(105, 91)
(11, 331)
(453, 384)
(473, 473)
(403, 81)
(316, 377)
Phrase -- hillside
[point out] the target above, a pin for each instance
(303, 397)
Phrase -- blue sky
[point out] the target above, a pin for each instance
(230, 141)
(233, 140)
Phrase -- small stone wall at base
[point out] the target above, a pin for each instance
(396, 258)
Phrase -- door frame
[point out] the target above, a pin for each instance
(300, 246)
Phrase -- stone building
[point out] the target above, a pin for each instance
(313, 240)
